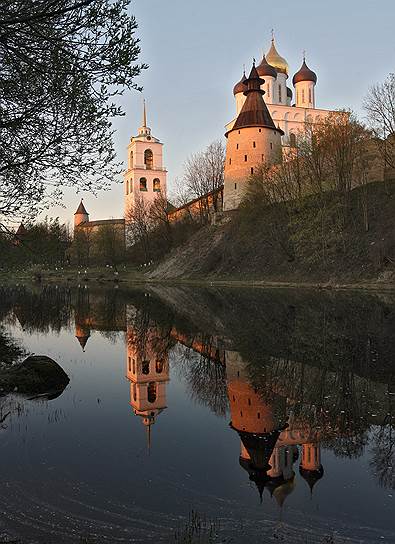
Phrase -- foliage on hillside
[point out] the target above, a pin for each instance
(321, 240)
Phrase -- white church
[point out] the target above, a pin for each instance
(146, 176)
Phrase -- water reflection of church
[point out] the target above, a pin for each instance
(271, 440)
(269, 437)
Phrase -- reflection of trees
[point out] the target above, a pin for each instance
(10, 351)
(383, 456)
(206, 378)
(43, 309)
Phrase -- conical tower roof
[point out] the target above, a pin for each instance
(259, 448)
(254, 112)
(81, 209)
(21, 231)
(83, 339)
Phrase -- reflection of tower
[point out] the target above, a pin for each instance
(257, 421)
(82, 333)
(310, 466)
(147, 369)
(82, 318)
(282, 475)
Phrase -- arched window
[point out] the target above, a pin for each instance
(148, 159)
(280, 98)
(151, 392)
(268, 91)
(134, 392)
(159, 367)
(130, 186)
(134, 366)
(302, 96)
(131, 159)
(145, 367)
(310, 96)
(156, 185)
(143, 184)
(292, 140)
(127, 186)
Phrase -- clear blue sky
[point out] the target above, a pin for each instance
(196, 50)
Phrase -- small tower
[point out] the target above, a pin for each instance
(145, 177)
(269, 74)
(253, 140)
(304, 82)
(81, 215)
(282, 68)
(20, 234)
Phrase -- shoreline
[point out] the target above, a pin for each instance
(124, 279)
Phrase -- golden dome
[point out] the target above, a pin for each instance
(276, 60)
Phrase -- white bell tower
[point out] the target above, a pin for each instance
(145, 176)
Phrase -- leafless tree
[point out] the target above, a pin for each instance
(62, 64)
(379, 106)
(159, 219)
(204, 173)
(138, 225)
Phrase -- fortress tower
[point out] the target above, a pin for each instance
(145, 177)
(258, 422)
(81, 215)
(252, 140)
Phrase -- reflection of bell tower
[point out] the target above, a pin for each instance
(310, 466)
(147, 369)
(257, 421)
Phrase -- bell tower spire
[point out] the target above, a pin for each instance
(144, 114)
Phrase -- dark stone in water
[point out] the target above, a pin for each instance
(36, 375)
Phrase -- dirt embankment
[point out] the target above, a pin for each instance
(325, 246)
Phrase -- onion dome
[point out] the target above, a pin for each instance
(240, 86)
(276, 60)
(265, 69)
(304, 74)
(311, 476)
(254, 112)
(281, 492)
(289, 93)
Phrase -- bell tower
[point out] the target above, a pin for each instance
(147, 369)
(145, 176)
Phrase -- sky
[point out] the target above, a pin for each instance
(196, 50)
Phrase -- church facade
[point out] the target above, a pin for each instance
(269, 119)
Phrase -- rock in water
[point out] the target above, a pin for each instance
(38, 374)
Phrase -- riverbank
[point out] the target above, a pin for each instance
(126, 277)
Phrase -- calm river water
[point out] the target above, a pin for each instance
(265, 416)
